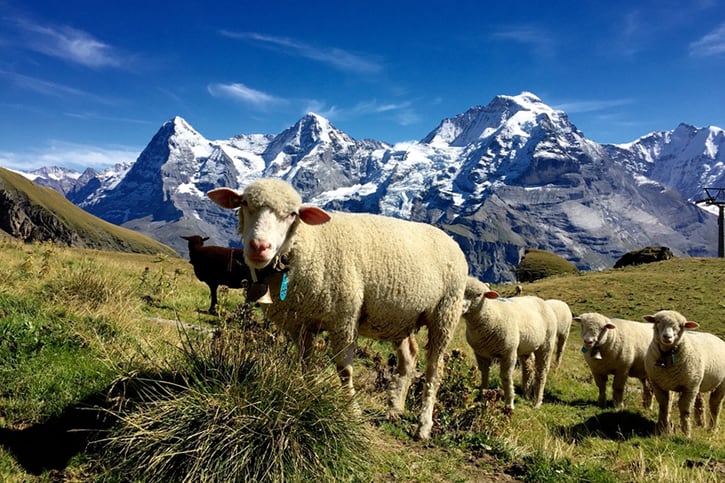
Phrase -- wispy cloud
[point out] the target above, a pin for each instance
(75, 156)
(539, 40)
(68, 44)
(711, 44)
(245, 94)
(592, 105)
(332, 56)
(402, 113)
(52, 89)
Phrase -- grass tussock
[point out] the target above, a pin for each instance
(237, 408)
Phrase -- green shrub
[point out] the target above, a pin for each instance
(538, 264)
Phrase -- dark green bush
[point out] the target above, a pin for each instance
(538, 264)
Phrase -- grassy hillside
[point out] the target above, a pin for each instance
(92, 231)
(82, 328)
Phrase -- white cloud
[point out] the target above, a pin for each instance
(540, 41)
(243, 93)
(572, 107)
(69, 44)
(711, 44)
(335, 57)
(49, 88)
(69, 155)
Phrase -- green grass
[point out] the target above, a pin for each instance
(84, 329)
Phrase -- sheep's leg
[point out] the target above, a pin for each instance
(601, 381)
(620, 379)
(663, 418)
(508, 362)
(527, 369)
(646, 393)
(484, 365)
(440, 333)
(685, 404)
(716, 398)
(304, 341)
(343, 346)
(213, 290)
(699, 409)
(560, 345)
(407, 351)
(543, 362)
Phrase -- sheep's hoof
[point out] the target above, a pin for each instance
(423, 432)
(393, 414)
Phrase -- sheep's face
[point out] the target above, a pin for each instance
(669, 327)
(269, 212)
(475, 294)
(594, 328)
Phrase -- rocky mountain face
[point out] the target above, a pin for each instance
(23, 220)
(500, 178)
(34, 213)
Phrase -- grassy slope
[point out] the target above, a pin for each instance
(104, 304)
(95, 232)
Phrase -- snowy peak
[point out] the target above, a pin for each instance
(515, 115)
(307, 133)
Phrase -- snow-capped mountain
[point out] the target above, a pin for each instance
(499, 178)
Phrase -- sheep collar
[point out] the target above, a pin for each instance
(667, 358)
(259, 290)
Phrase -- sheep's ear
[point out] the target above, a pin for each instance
(650, 318)
(312, 215)
(226, 197)
(577, 319)
(691, 325)
(185, 237)
(491, 294)
(610, 326)
(205, 238)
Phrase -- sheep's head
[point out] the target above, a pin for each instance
(195, 240)
(475, 294)
(595, 328)
(269, 212)
(669, 327)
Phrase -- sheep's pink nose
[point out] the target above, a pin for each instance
(259, 246)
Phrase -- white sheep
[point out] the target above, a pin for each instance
(508, 329)
(686, 362)
(564, 319)
(354, 275)
(617, 347)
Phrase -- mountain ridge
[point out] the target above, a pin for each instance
(500, 178)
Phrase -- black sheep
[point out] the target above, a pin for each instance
(216, 266)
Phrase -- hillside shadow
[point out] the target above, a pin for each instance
(51, 444)
(614, 425)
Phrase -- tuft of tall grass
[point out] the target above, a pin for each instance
(237, 407)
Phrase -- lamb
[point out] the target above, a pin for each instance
(354, 275)
(564, 319)
(217, 266)
(507, 329)
(686, 362)
(617, 347)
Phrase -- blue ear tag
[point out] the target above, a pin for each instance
(283, 287)
(585, 350)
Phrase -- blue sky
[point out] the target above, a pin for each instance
(88, 83)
